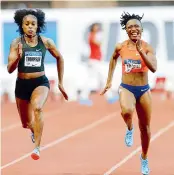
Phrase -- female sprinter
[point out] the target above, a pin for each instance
(27, 52)
(134, 92)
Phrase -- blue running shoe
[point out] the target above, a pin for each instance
(129, 137)
(86, 102)
(113, 99)
(144, 166)
(32, 137)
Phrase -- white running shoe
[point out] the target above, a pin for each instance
(36, 153)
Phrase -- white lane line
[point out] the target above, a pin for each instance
(66, 137)
(133, 153)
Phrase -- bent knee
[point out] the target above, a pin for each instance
(26, 121)
(37, 108)
(38, 113)
(27, 125)
(37, 105)
(127, 112)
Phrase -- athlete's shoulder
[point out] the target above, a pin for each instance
(48, 42)
(15, 41)
(145, 44)
(124, 42)
(44, 39)
(148, 47)
(119, 46)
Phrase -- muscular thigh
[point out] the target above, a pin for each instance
(39, 96)
(25, 111)
(127, 99)
(144, 108)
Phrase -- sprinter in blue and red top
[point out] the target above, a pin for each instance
(137, 58)
(27, 53)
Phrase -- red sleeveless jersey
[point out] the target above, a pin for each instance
(95, 50)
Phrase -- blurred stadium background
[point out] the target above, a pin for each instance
(67, 24)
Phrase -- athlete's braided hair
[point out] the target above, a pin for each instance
(125, 17)
(39, 14)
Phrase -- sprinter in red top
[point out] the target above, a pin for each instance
(137, 58)
(94, 40)
(93, 62)
(94, 65)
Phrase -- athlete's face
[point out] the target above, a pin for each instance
(96, 28)
(134, 29)
(29, 25)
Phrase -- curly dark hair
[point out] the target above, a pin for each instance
(21, 13)
(125, 17)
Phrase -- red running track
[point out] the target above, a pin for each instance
(79, 140)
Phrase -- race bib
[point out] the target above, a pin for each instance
(33, 59)
(132, 64)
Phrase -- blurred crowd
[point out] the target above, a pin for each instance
(80, 4)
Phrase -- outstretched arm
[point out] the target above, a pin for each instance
(112, 65)
(50, 45)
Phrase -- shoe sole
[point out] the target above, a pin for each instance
(145, 174)
(35, 156)
(129, 145)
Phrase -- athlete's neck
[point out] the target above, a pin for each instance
(31, 39)
(132, 42)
